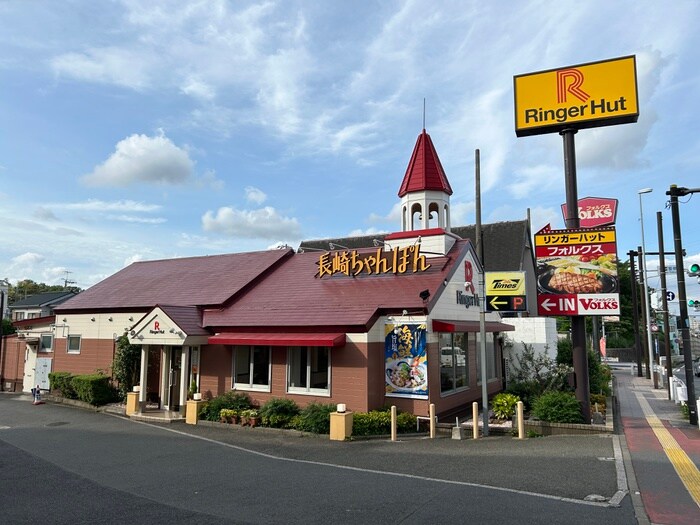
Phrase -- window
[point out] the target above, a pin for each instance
(490, 357)
(19, 316)
(46, 343)
(32, 315)
(454, 362)
(73, 344)
(251, 367)
(308, 370)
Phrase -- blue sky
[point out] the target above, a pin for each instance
(136, 130)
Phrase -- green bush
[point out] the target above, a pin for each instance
(278, 412)
(504, 404)
(526, 391)
(378, 422)
(315, 417)
(62, 381)
(558, 407)
(94, 389)
(231, 400)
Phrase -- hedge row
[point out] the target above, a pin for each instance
(95, 389)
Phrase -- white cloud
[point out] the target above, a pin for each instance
(28, 258)
(255, 195)
(133, 258)
(210, 180)
(44, 214)
(143, 159)
(109, 65)
(393, 217)
(135, 219)
(102, 206)
(263, 223)
(198, 89)
(369, 231)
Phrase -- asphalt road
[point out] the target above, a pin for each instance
(64, 465)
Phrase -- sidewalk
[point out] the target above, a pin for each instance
(663, 453)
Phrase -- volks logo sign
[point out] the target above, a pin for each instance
(594, 212)
(576, 97)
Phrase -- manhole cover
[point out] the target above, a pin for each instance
(57, 424)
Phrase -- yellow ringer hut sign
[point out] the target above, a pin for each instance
(584, 96)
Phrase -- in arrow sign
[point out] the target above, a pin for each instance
(547, 305)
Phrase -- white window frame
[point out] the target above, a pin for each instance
(68, 339)
(250, 386)
(42, 348)
(307, 390)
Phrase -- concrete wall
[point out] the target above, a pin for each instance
(540, 332)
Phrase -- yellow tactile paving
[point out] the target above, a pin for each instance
(685, 468)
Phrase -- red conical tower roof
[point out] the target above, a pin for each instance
(424, 170)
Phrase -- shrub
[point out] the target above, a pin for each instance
(62, 381)
(526, 391)
(378, 422)
(232, 400)
(94, 389)
(227, 415)
(504, 404)
(558, 407)
(600, 399)
(278, 413)
(315, 417)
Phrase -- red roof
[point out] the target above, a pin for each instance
(293, 296)
(189, 281)
(424, 171)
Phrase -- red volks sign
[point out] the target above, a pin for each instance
(594, 211)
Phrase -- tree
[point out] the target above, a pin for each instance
(27, 287)
(127, 364)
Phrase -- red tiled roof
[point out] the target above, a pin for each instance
(187, 318)
(293, 296)
(189, 281)
(424, 171)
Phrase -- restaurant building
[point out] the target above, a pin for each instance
(396, 323)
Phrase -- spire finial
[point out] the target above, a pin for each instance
(423, 113)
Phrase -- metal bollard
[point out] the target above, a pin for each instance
(521, 420)
(475, 420)
(393, 422)
(432, 420)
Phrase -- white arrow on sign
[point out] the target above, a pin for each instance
(547, 305)
(670, 296)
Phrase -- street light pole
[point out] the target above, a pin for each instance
(646, 289)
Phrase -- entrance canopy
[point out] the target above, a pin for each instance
(470, 326)
(279, 339)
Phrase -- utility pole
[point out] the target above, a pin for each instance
(635, 313)
(674, 192)
(664, 302)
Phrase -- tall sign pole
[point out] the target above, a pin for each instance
(482, 310)
(675, 192)
(643, 304)
(578, 322)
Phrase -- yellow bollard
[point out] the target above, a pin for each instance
(475, 420)
(521, 421)
(393, 422)
(432, 420)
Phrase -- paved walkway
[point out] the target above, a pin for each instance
(662, 453)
